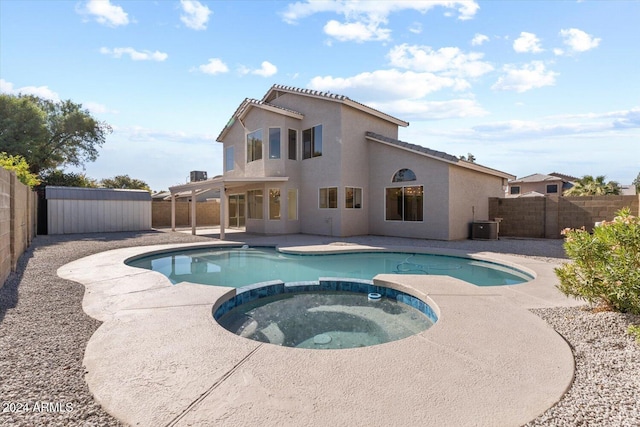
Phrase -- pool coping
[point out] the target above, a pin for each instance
(159, 358)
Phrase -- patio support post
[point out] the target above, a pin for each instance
(223, 216)
(173, 212)
(193, 212)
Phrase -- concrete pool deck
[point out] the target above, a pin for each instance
(160, 358)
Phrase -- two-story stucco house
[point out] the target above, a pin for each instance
(304, 161)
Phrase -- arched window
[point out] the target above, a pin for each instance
(404, 175)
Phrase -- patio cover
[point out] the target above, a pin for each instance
(221, 183)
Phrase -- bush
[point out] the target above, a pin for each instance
(606, 264)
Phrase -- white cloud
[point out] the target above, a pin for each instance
(415, 28)
(356, 31)
(530, 76)
(450, 61)
(105, 13)
(365, 20)
(135, 55)
(214, 66)
(267, 69)
(479, 39)
(96, 108)
(559, 126)
(39, 91)
(386, 85)
(195, 14)
(578, 40)
(409, 109)
(527, 42)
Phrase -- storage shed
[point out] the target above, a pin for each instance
(96, 210)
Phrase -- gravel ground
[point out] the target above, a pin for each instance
(43, 334)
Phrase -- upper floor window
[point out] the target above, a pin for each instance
(274, 143)
(312, 142)
(404, 175)
(229, 159)
(254, 146)
(552, 188)
(514, 190)
(293, 144)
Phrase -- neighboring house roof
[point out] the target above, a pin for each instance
(564, 177)
(438, 155)
(530, 194)
(628, 190)
(536, 177)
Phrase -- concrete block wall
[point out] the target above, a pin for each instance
(576, 212)
(17, 221)
(546, 217)
(522, 217)
(5, 225)
(207, 214)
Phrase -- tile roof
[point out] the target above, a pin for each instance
(251, 102)
(537, 177)
(333, 97)
(414, 147)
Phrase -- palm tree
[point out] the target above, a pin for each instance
(590, 186)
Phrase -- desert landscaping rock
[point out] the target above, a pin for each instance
(44, 333)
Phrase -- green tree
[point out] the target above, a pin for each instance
(590, 186)
(67, 179)
(20, 166)
(124, 181)
(49, 134)
(636, 182)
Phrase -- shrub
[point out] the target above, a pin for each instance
(634, 330)
(606, 264)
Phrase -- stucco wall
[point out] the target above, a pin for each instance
(469, 193)
(356, 167)
(432, 174)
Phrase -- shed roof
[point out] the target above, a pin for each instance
(80, 193)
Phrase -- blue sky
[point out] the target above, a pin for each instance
(525, 86)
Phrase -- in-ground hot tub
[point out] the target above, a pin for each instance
(329, 314)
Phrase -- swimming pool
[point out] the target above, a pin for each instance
(238, 267)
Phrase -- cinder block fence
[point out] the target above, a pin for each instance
(17, 221)
(546, 217)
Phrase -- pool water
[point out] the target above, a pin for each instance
(324, 320)
(244, 266)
